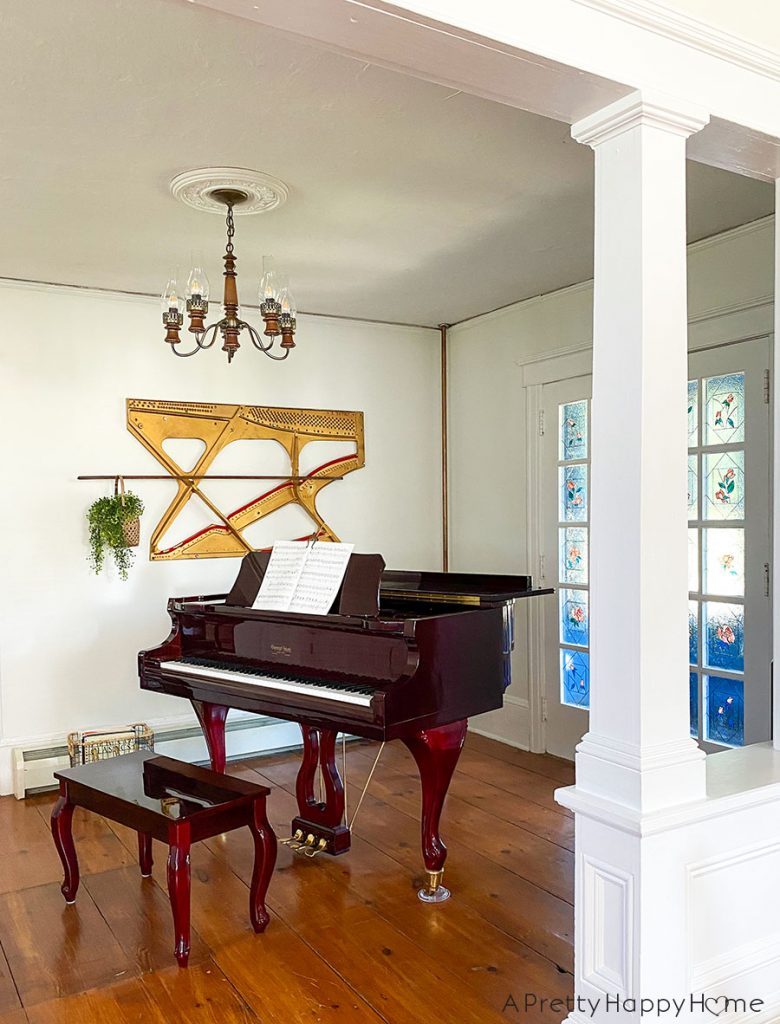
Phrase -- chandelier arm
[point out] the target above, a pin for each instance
(257, 340)
(201, 341)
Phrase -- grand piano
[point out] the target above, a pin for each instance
(401, 655)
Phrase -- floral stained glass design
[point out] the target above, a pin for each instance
(693, 487)
(574, 431)
(725, 710)
(693, 698)
(574, 617)
(693, 560)
(724, 626)
(693, 632)
(573, 555)
(724, 485)
(724, 409)
(724, 561)
(573, 493)
(575, 678)
(693, 413)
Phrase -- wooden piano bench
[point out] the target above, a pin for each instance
(176, 803)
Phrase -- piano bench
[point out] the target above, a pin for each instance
(176, 803)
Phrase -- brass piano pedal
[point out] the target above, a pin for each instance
(322, 845)
(294, 842)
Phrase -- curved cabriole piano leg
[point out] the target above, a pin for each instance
(320, 824)
(436, 752)
(212, 722)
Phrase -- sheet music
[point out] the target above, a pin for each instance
(321, 578)
(285, 566)
(303, 577)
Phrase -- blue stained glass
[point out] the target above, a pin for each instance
(725, 635)
(725, 711)
(573, 482)
(693, 413)
(693, 486)
(575, 678)
(693, 632)
(574, 617)
(574, 431)
(694, 704)
(573, 564)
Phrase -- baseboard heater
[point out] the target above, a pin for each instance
(34, 766)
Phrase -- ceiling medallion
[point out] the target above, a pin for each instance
(247, 192)
(196, 188)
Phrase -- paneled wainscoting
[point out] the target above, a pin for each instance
(348, 939)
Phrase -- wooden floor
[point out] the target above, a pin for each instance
(348, 939)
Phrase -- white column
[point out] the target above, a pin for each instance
(638, 751)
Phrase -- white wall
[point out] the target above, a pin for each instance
(68, 639)
(730, 286)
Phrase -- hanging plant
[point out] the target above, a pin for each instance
(114, 526)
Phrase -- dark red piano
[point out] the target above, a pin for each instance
(402, 655)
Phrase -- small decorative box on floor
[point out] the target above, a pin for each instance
(99, 744)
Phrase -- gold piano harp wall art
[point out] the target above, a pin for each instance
(218, 425)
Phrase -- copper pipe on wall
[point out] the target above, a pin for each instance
(445, 529)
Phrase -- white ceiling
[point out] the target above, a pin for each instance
(407, 202)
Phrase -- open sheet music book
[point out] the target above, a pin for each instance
(303, 577)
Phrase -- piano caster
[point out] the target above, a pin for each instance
(433, 891)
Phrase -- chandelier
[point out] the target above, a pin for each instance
(277, 306)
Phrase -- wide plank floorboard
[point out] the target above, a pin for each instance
(348, 942)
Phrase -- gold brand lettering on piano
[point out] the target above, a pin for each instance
(281, 649)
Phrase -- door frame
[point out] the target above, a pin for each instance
(712, 330)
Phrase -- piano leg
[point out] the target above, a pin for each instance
(436, 752)
(212, 722)
(322, 820)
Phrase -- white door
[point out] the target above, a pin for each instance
(729, 546)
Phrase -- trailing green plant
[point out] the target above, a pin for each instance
(108, 520)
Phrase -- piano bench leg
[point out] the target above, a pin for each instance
(61, 821)
(212, 722)
(145, 854)
(265, 859)
(179, 890)
(436, 752)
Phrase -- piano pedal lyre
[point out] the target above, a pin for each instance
(433, 891)
(295, 842)
(322, 845)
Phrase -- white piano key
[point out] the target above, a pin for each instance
(266, 683)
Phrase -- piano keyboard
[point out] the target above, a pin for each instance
(344, 693)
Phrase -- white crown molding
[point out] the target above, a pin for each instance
(752, 227)
(682, 28)
(639, 108)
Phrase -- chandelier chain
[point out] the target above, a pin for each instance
(231, 230)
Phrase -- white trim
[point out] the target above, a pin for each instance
(535, 652)
(749, 228)
(644, 109)
(683, 28)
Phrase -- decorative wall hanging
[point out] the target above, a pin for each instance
(217, 426)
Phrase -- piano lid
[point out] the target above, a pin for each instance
(367, 584)
(455, 587)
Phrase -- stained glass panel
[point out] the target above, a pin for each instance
(574, 617)
(693, 632)
(693, 559)
(693, 698)
(725, 710)
(724, 485)
(574, 431)
(724, 409)
(724, 561)
(693, 487)
(573, 493)
(693, 413)
(573, 554)
(724, 630)
(575, 678)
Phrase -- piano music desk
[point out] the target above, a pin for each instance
(176, 803)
